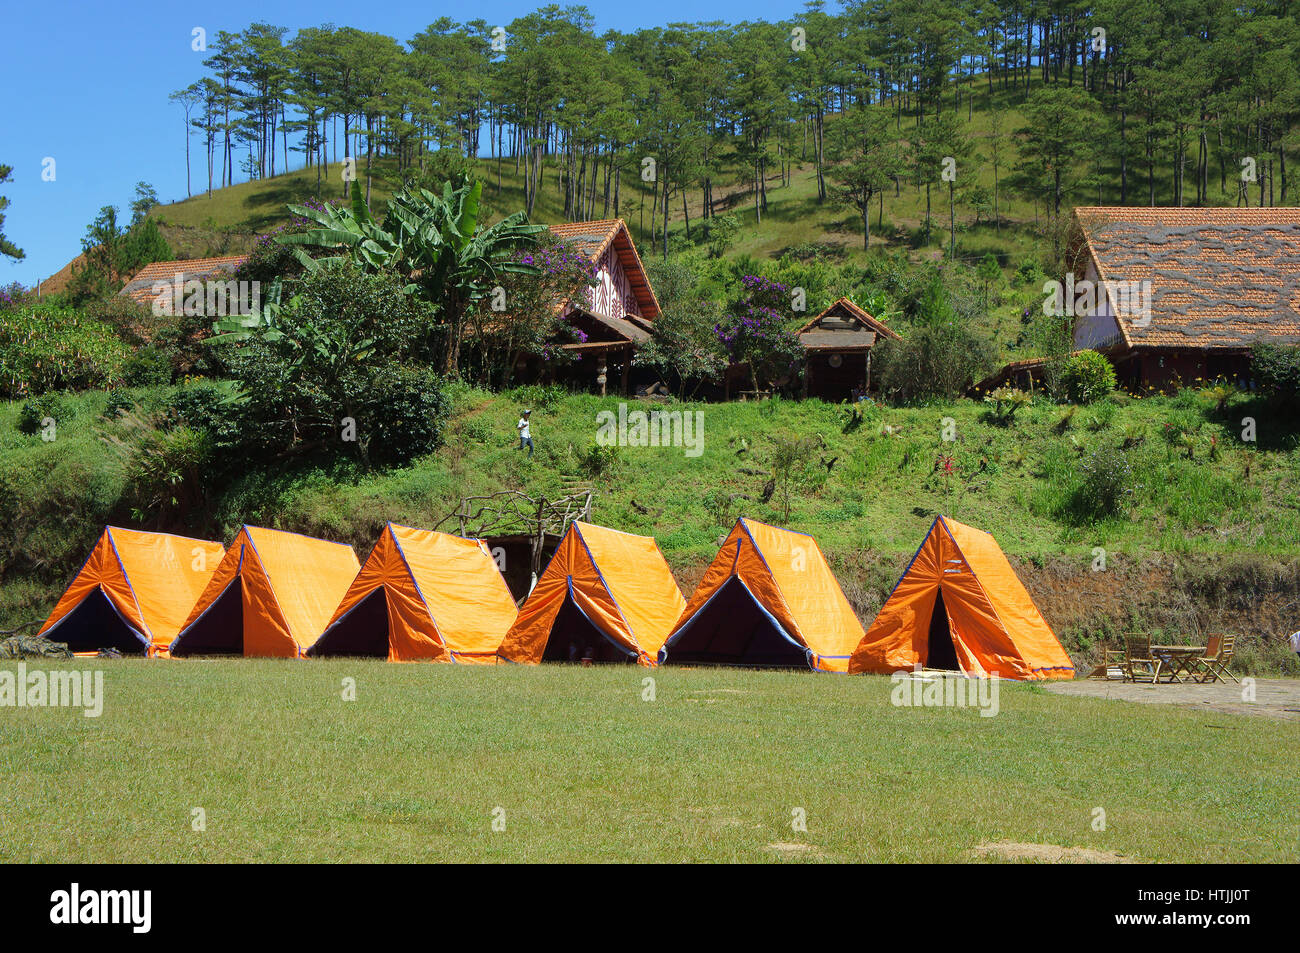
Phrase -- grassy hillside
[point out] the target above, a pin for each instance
(580, 767)
(1202, 542)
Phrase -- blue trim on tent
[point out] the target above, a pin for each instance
(780, 629)
(100, 588)
(411, 572)
(601, 576)
(283, 618)
(237, 577)
(127, 579)
(569, 596)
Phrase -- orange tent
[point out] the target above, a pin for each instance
(768, 599)
(986, 624)
(133, 592)
(271, 596)
(422, 595)
(605, 595)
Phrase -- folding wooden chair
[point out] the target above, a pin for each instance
(1139, 666)
(1218, 654)
(1112, 660)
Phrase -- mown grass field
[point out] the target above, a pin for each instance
(585, 769)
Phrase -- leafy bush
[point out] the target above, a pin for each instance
(1277, 369)
(1087, 376)
(1107, 483)
(939, 360)
(34, 413)
(539, 396)
(601, 460)
(45, 348)
(148, 367)
(407, 413)
(332, 373)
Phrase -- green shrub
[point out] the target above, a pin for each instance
(53, 406)
(1087, 376)
(939, 360)
(148, 367)
(1277, 369)
(1106, 485)
(539, 396)
(600, 460)
(44, 348)
(407, 412)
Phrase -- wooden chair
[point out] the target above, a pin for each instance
(1139, 666)
(1112, 660)
(1218, 654)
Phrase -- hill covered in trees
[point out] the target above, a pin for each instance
(1164, 102)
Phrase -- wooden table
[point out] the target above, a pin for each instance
(1178, 661)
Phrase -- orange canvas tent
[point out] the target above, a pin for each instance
(271, 596)
(422, 595)
(768, 598)
(959, 606)
(605, 595)
(133, 592)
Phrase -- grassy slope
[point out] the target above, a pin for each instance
(585, 770)
(868, 514)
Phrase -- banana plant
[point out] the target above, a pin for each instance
(437, 243)
(262, 320)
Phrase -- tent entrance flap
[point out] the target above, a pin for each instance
(940, 651)
(220, 630)
(95, 624)
(574, 637)
(733, 629)
(362, 632)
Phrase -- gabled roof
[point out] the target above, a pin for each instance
(629, 328)
(140, 288)
(593, 238)
(1220, 277)
(840, 319)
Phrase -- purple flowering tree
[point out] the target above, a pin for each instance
(756, 332)
(525, 317)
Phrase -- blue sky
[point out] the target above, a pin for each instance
(86, 84)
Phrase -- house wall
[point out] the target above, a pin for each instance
(1099, 330)
(613, 294)
(835, 384)
(1166, 369)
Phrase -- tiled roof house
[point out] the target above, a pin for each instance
(1206, 284)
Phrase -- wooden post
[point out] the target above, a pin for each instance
(602, 368)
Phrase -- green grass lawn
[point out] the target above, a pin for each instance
(584, 769)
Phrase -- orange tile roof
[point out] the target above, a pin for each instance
(140, 288)
(592, 238)
(1220, 277)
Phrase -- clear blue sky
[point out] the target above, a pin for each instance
(87, 84)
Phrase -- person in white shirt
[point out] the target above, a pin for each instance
(1295, 642)
(525, 437)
